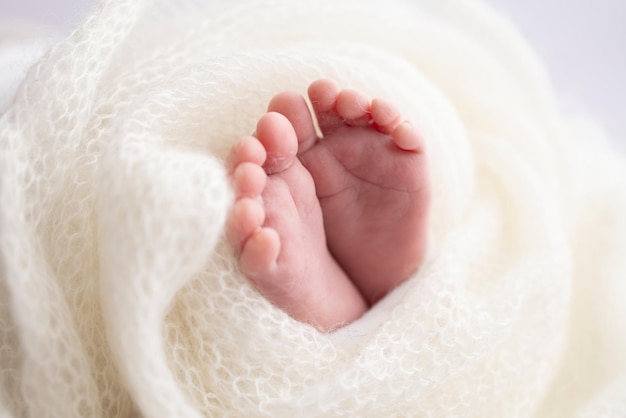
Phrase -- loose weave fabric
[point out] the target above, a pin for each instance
(120, 298)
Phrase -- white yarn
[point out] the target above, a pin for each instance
(119, 298)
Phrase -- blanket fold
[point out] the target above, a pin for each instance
(120, 298)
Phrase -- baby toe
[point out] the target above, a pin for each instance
(279, 139)
(323, 96)
(248, 180)
(353, 106)
(385, 115)
(406, 137)
(248, 149)
(294, 108)
(246, 217)
(259, 255)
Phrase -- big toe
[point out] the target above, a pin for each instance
(323, 96)
(293, 106)
(279, 139)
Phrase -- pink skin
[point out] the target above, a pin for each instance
(325, 227)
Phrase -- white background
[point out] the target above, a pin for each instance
(582, 42)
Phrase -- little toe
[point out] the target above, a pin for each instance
(248, 180)
(246, 217)
(248, 149)
(385, 115)
(279, 139)
(259, 255)
(353, 106)
(407, 138)
(294, 108)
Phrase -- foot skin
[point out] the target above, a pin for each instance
(371, 180)
(277, 230)
(325, 227)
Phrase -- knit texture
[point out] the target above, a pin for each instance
(120, 298)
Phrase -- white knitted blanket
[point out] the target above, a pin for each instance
(119, 298)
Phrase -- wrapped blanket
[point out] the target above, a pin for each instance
(119, 297)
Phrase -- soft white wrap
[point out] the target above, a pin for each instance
(118, 297)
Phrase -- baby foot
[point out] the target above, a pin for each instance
(277, 230)
(370, 175)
